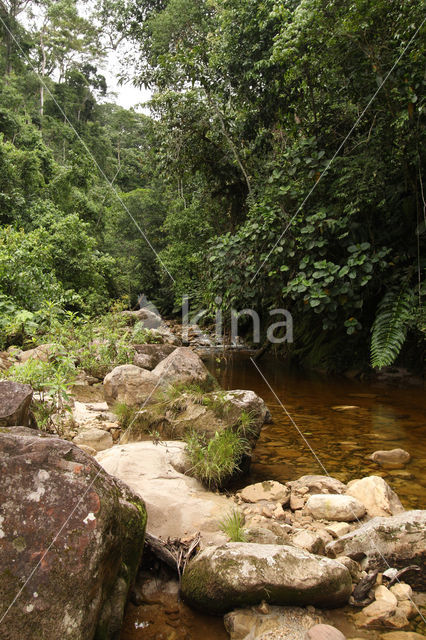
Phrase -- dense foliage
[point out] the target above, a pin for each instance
(281, 166)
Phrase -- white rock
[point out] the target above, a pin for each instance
(177, 504)
(335, 507)
(376, 495)
(382, 593)
(402, 591)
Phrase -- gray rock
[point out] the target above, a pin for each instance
(396, 541)
(305, 486)
(15, 400)
(131, 385)
(148, 318)
(149, 355)
(81, 568)
(309, 541)
(237, 574)
(206, 414)
(318, 484)
(182, 366)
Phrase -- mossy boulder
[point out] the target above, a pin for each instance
(221, 578)
(71, 540)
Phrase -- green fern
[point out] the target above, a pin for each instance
(390, 327)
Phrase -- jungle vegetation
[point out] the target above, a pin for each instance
(281, 166)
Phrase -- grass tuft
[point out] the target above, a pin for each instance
(232, 525)
(215, 461)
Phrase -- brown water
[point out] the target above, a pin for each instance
(382, 417)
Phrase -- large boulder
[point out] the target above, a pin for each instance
(177, 504)
(71, 541)
(334, 507)
(148, 356)
(131, 385)
(15, 401)
(183, 366)
(376, 495)
(396, 541)
(239, 574)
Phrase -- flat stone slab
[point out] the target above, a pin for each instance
(177, 504)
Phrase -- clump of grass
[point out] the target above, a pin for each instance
(215, 461)
(245, 423)
(125, 414)
(232, 525)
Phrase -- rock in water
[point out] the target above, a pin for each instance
(130, 384)
(182, 366)
(397, 541)
(376, 495)
(81, 532)
(15, 400)
(237, 574)
(335, 507)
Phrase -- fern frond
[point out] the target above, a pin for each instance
(389, 329)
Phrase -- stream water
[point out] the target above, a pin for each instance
(340, 423)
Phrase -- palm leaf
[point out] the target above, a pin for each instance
(389, 329)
